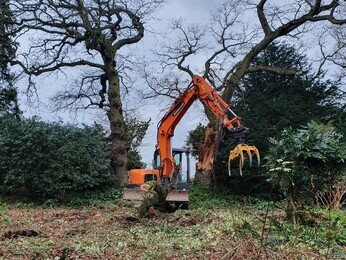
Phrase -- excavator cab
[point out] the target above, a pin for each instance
(137, 177)
(178, 161)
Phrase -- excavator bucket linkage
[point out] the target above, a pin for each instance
(242, 151)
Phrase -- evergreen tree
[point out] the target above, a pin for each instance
(136, 130)
(8, 93)
(268, 102)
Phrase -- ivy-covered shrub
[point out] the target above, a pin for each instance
(48, 160)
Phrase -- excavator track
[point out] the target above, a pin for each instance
(181, 194)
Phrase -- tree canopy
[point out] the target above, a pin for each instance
(136, 130)
(268, 102)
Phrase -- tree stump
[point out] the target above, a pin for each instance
(205, 162)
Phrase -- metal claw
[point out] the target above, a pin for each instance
(247, 149)
(241, 169)
(257, 155)
(239, 152)
(229, 164)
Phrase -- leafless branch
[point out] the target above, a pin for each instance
(86, 34)
(276, 70)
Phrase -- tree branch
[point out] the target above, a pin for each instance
(262, 18)
(36, 71)
(276, 70)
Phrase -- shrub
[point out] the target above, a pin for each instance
(306, 162)
(49, 160)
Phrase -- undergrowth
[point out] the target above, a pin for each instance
(75, 200)
(218, 225)
(323, 233)
(205, 197)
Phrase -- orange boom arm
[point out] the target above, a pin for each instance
(198, 89)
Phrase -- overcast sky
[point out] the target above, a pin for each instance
(192, 11)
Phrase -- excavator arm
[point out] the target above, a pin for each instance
(199, 89)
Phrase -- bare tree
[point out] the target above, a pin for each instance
(233, 38)
(86, 34)
(334, 53)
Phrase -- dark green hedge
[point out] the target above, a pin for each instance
(48, 160)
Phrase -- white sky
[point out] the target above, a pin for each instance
(192, 11)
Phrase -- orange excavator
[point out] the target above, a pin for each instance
(165, 158)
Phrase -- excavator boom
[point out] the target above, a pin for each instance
(166, 172)
(200, 89)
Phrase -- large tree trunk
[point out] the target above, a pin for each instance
(119, 146)
(204, 166)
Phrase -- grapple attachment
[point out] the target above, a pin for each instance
(243, 151)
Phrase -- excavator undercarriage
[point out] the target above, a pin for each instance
(181, 194)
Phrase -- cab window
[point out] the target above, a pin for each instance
(177, 158)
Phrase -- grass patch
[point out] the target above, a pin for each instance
(207, 197)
